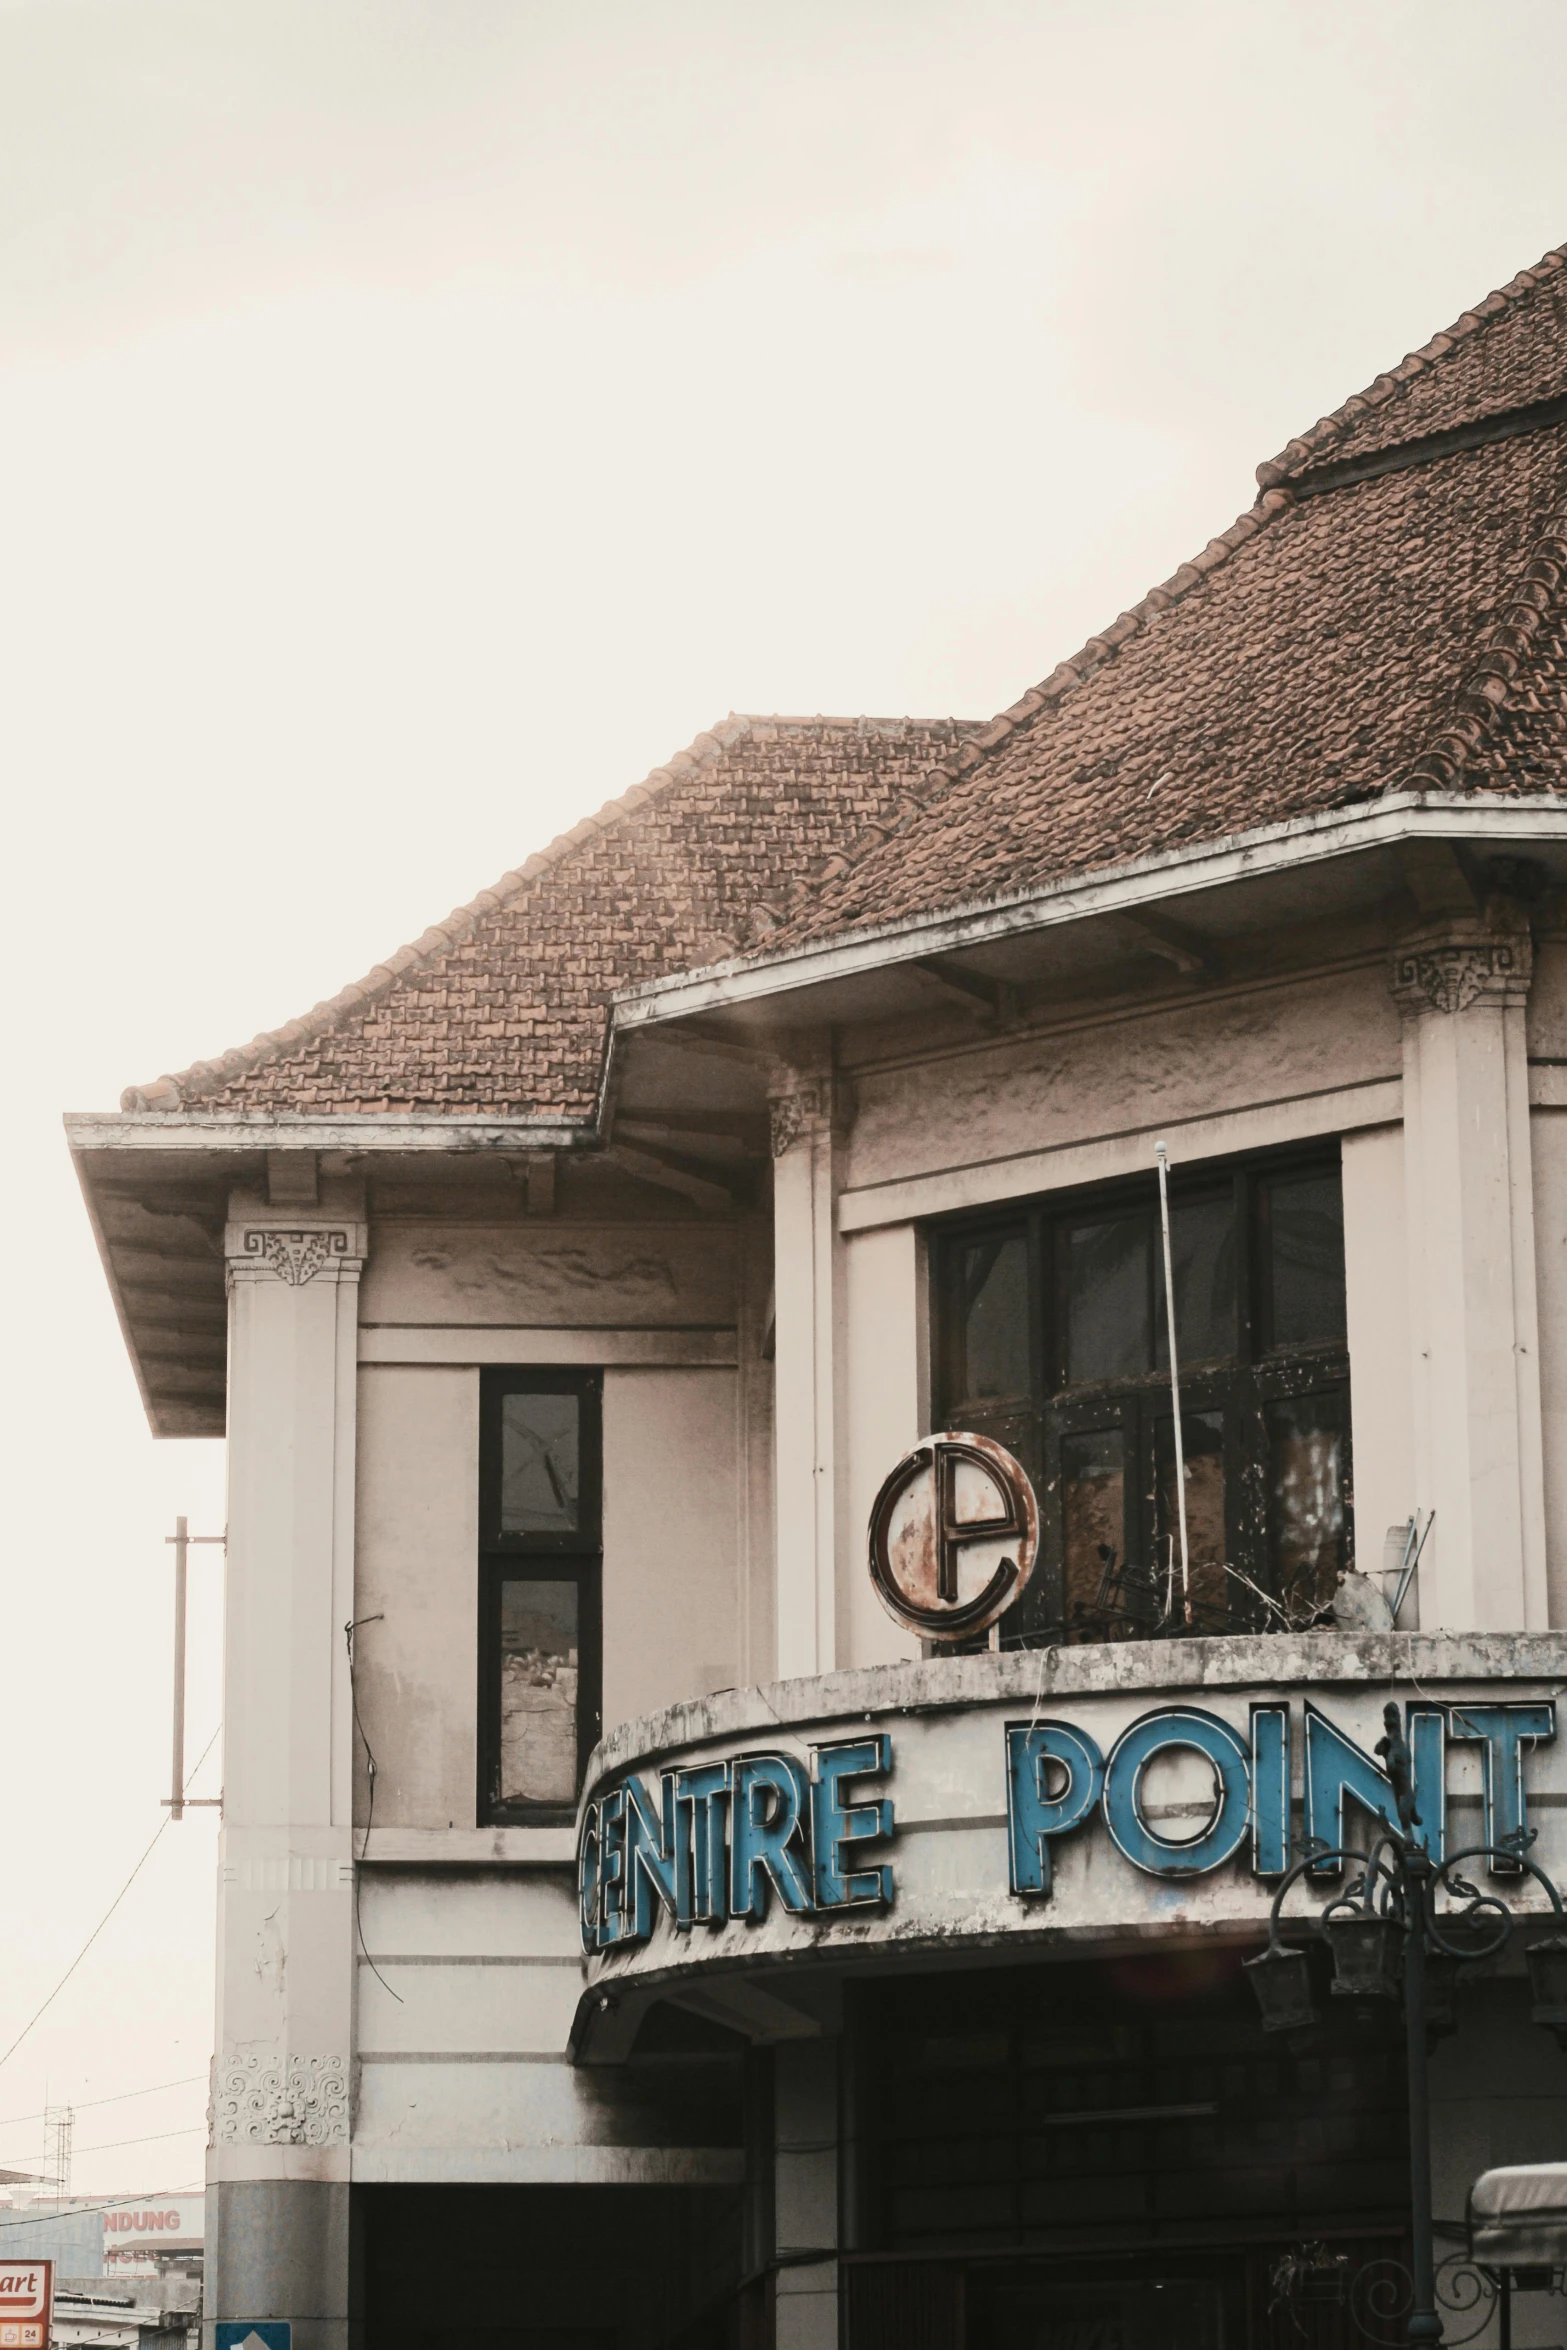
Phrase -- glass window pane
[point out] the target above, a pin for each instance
(1202, 1442)
(1202, 1256)
(538, 1691)
(993, 1299)
(540, 1464)
(1108, 1298)
(1306, 1228)
(1093, 1531)
(1308, 1521)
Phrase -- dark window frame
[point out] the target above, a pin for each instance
(576, 1557)
(1245, 1385)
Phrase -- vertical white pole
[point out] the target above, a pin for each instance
(180, 1539)
(1163, 1157)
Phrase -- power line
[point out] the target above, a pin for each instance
(103, 1921)
(84, 2104)
(16, 2153)
(85, 2210)
(151, 2139)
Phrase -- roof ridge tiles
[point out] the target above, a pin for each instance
(1311, 446)
(168, 1092)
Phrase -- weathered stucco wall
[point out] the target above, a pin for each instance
(687, 1498)
(1548, 1132)
(1194, 1060)
(1376, 1283)
(462, 2043)
(673, 1542)
(417, 1670)
(552, 1274)
(888, 1339)
(1547, 1033)
(1547, 1022)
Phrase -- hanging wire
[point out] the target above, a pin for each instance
(86, 2210)
(85, 2104)
(349, 1630)
(103, 1921)
(1163, 1157)
(106, 2145)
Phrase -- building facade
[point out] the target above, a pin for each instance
(641, 1923)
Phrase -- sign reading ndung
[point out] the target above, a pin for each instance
(715, 1841)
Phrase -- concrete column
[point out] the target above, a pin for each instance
(809, 1364)
(1376, 1281)
(805, 2174)
(887, 1359)
(1462, 986)
(278, 2167)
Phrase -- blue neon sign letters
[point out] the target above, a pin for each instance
(1057, 1778)
(711, 1842)
(726, 1839)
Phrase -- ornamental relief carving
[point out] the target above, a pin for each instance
(1449, 976)
(802, 1101)
(295, 1257)
(787, 1114)
(279, 2101)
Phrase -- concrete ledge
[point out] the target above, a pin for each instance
(403, 1342)
(467, 1848)
(1035, 1678)
(570, 2166)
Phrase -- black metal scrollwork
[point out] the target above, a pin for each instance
(1399, 1931)
(1377, 2296)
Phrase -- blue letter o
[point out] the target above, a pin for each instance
(1177, 1725)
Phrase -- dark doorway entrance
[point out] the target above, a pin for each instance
(549, 2268)
(1110, 2154)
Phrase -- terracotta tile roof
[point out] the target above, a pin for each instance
(502, 1009)
(1404, 630)
(1340, 639)
(1509, 352)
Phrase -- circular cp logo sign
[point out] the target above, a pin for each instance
(954, 1536)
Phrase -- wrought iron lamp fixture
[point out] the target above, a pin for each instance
(1403, 1926)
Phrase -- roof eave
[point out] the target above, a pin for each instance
(149, 1403)
(352, 1131)
(1513, 820)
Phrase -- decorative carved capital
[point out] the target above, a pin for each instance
(801, 1101)
(294, 1253)
(789, 1113)
(1460, 964)
(279, 2101)
(296, 1257)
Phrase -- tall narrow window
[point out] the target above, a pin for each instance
(540, 1483)
(1053, 1338)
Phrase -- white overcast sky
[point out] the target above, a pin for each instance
(419, 420)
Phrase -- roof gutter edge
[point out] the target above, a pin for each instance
(1144, 881)
(355, 1131)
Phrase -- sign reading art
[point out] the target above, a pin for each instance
(26, 2297)
(1181, 1791)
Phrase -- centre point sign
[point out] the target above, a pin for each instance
(814, 1831)
(1017, 1816)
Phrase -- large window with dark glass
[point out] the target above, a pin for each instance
(540, 1483)
(1052, 1337)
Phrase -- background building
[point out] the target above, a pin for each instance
(568, 1288)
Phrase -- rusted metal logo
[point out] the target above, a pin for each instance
(953, 1537)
